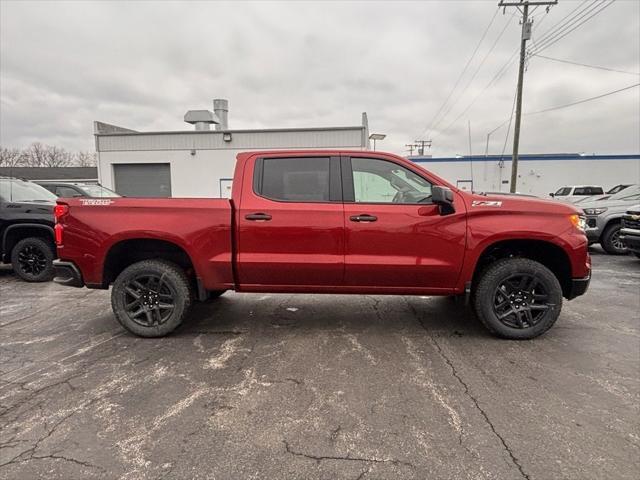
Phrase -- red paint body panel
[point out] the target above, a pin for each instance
(201, 227)
(315, 247)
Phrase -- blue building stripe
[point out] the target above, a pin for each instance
(523, 158)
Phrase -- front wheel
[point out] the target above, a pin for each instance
(151, 298)
(518, 298)
(611, 242)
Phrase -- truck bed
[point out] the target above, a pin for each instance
(94, 228)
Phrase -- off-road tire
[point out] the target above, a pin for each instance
(174, 281)
(37, 249)
(490, 280)
(607, 239)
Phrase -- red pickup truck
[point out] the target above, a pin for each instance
(327, 222)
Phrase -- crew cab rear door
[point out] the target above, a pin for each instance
(291, 223)
(395, 237)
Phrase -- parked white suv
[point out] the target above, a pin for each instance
(571, 193)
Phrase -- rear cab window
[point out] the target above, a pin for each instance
(297, 179)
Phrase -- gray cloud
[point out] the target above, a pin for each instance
(143, 64)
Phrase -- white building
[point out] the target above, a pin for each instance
(200, 162)
(538, 174)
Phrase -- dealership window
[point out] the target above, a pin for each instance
(380, 181)
(295, 179)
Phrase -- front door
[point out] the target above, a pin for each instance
(395, 237)
(291, 224)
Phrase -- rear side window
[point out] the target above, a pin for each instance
(303, 179)
(67, 192)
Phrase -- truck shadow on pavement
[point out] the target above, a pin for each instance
(314, 314)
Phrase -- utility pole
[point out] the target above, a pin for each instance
(410, 147)
(421, 144)
(526, 35)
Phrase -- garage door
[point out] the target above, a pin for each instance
(142, 179)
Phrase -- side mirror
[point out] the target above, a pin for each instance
(552, 194)
(443, 197)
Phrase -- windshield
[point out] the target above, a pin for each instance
(13, 190)
(617, 188)
(98, 191)
(630, 192)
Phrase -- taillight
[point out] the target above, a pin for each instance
(60, 211)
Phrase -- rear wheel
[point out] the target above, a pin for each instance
(518, 298)
(151, 298)
(611, 242)
(32, 259)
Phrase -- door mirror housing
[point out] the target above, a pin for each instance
(443, 197)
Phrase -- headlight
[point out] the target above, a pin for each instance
(595, 211)
(578, 221)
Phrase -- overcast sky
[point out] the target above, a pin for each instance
(303, 64)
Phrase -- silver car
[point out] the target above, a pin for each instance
(604, 218)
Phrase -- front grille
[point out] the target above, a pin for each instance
(628, 222)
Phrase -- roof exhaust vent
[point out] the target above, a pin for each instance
(221, 110)
(202, 119)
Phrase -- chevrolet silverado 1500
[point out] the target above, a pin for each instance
(327, 222)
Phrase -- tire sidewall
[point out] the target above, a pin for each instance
(176, 281)
(496, 275)
(47, 251)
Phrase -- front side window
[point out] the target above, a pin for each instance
(563, 191)
(380, 181)
(295, 179)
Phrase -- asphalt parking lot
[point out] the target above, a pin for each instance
(312, 386)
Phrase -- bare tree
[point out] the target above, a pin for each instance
(40, 155)
(56, 157)
(11, 157)
(34, 155)
(85, 159)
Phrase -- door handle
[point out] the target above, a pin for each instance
(258, 216)
(363, 218)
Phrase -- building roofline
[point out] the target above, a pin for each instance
(220, 132)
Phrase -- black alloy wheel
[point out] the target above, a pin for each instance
(149, 300)
(32, 259)
(517, 298)
(520, 301)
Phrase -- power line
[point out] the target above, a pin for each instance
(555, 39)
(586, 65)
(475, 73)
(564, 21)
(583, 101)
(499, 74)
(464, 70)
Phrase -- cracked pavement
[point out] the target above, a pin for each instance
(319, 386)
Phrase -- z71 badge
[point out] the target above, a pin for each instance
(93, 202)
(486, 203)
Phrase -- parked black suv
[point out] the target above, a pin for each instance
(26, 229)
